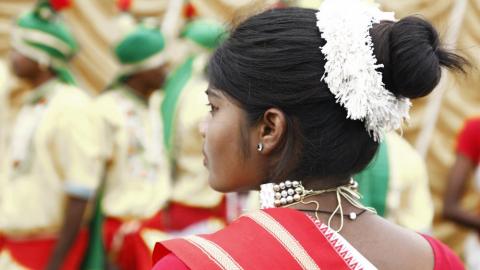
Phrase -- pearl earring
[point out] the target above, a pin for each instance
(260, 147)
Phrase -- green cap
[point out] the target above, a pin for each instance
(42, 36)
(141, 49)
(206, 33)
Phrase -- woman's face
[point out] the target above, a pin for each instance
(229, 148)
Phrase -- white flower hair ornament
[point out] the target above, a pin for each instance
(351, 67)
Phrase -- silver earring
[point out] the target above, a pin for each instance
(260, 147)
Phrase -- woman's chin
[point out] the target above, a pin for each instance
(220, 186)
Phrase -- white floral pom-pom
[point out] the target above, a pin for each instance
(351, 67)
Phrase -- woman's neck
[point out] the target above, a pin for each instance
(325, 182)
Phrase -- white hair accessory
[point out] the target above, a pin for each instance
(351, 67)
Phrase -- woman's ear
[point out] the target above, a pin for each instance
(272, 128)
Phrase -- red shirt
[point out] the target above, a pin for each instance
(468, 141)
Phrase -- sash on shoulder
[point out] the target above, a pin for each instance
(277, 238)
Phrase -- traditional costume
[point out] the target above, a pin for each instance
(51, 154)
(136, 184)
(194, 205)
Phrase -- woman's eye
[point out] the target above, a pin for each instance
(212, 108)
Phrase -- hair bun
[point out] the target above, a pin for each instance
(412, 56)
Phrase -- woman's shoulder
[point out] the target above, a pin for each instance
(386, 244)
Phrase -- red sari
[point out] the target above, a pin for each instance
(277, 238)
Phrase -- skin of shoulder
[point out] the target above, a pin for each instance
(387, 245)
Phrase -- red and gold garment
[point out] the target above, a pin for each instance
(283, 238)
(278, 238)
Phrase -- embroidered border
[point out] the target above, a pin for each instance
(354, 259)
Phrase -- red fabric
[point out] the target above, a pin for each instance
(315, 243)
(34, 254)
(180, 216)
(194, 258)
(124, 5)
(445, 259)
(189, 11)
(58, 5)
(468, 141)
(133, 253)
(247, 233)
(171, 262)
(252, 247)
(2, 241)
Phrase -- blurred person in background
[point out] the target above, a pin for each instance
(194, 206)
(136, 174)
(463, 169)
(50, 167)
(396, 185)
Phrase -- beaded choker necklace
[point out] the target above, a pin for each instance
(289, 193)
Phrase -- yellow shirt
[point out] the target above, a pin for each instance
(51, 154)
(4, 112)
(137, 181)
(12, 92)
(190, 175)
(409, 202)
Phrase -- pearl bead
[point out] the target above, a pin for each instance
(288, 184)
(290, 192)
(299, 190)
(278, 195)
(282, 186)
(283, 201)
(277, 203)
(352, 216)
(355, 185)
(284, 193)
(295, 184)
(276, 188)
(289, 199)
(296, 197)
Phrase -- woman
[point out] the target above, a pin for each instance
(299, 103)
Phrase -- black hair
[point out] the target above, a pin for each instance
(273, 60)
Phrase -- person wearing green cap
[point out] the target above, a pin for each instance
(194, 207)
(136, 175)
(48, 177)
